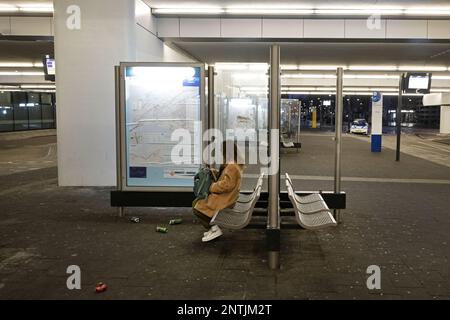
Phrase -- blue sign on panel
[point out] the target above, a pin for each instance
(376, 97)
(138, 172)
(194, 81)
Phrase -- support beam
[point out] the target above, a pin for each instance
(398, 118)
(338, 137)
(121, 210)
(273, 225)
(211, 107)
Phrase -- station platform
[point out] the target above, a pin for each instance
(397, 218)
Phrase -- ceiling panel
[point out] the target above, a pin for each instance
(322, 53)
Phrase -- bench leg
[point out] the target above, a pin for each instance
(274, 260)
(338, 216)
(121, 212)
(273, 248)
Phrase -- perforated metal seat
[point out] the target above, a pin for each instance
(316, 221)
(315, 197)
(245, 198)
(240, 216)
(312, 221)
(313, 207)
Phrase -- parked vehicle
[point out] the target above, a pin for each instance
(360, 126)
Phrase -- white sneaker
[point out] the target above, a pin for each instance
(213, 228)
(212, 234)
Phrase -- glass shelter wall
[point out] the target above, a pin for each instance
(21, 111)
(241, 111)
(241, 99)
(290, 125)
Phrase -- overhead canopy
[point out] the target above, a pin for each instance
(436, 99)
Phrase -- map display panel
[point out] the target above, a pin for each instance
(159, 101)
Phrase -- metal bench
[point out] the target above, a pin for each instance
(315, 197)
(240, 215)
(246, 198)
(289, 144)
(307, 219)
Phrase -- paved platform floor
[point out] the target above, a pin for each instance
(398, 218)
(28, 150)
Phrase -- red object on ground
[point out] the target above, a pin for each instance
(101, 287)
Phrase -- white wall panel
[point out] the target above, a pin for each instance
(439, 29)
(362, 29)
(23, 79)
(202, 28)
(168, 27)
(324, 28)
(144, 16)
(407, 29)
(241, 28)
(282, 28)
(445, 120)
(31, 26)
(5, 26)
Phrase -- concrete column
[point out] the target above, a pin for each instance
(85, 95)
(445, 119)
(91, 37)
(377, 122)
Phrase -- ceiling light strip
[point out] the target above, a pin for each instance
(363, 68)
(260, 11)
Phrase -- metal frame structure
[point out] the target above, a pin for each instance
(398, 119)
(338, 136)
(121, 122)
(211, 97)
(273, 218)
(274, 202)
(184, 199)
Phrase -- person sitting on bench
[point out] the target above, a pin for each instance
(224, 193)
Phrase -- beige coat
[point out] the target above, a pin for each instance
(223, 193)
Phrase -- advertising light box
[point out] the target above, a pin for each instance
(162, 115)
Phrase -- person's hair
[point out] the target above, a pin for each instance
(230, 152)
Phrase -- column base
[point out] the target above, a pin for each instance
(376, 142)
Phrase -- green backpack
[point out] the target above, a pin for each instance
(202, 182)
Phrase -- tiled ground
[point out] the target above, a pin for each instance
(401, 227)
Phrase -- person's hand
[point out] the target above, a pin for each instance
(215, 174)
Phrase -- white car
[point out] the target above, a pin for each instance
(360, 126)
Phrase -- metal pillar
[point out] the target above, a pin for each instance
(299, 121)
(398, 118)
(273, 224)
(289, 119)
(120, 211)
(338, 137)
(211, 98)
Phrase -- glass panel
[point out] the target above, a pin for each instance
(48, 118)
(33, 98)
(34, 111)
(5, 98)
(241, 111)
(290, 121)
(159, 101)
(46, 98)
(20, 111)
(19, 97)
(315, 135)
(6, 112)
(35, 116)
